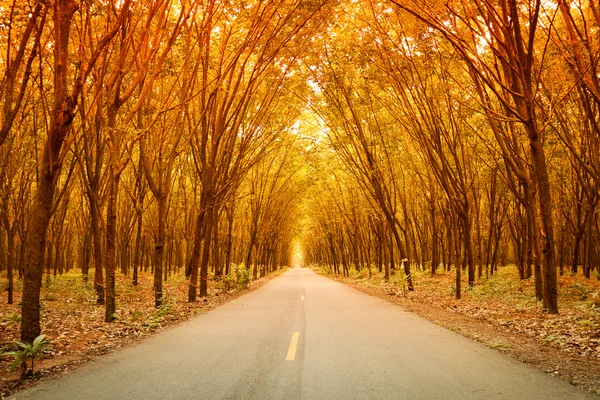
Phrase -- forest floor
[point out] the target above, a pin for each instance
(502, 313)
(75, 327)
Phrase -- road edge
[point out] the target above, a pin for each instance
(549, 360)
(73, 363)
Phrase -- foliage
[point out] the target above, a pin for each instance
(238, 278)
(28, 351)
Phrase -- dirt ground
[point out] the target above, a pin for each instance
(74, 324)
(503, 314)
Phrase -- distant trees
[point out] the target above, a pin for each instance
(492, 107)
(235, 118)
(359, 131)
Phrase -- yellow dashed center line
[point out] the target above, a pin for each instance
(291, 354)
(302, 298)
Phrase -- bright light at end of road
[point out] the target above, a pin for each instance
(297, 256)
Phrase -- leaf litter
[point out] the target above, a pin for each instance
(502, 313)
(76, 329)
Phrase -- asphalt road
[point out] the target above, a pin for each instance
(303, 336)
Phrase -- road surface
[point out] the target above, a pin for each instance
(303, 336)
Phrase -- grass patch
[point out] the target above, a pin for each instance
(498, 345)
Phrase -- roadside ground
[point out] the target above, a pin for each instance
(75, 327)
(502, 313)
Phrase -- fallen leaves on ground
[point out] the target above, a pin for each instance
(75, 327)
(502, 312)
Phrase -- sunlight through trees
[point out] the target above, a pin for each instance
(194, 136)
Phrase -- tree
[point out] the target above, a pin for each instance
(145, 44)
(359, 132)
(509, 73)
(231, 128)
(64, 104)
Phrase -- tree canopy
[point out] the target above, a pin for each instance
(206, 136)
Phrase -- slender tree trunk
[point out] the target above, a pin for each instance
(478, 233)
(10, 260)
(561, 262)
(49, 257)
(216, 249)
(230, 215)
(494, 266)
(55, 249)
(545, 202)
(194, 259)
(379, 256)
(97, 240)
(531, 240)
(137, 257)
(450, 239)
(346, 268)
(22, 250)
(159, 250)
(206, 253)
(468, 247)
(457, 263)
(587, 268)
(111, 241)
(578, 238)
(391, 250)
(435, 258)
(3, 254)
(87, 255)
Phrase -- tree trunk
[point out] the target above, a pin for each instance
(230, 215)
(450, 246)
(379, 256)
(10, 261)
(192, 268)
(138, 246)
(208, 231)
(62, 116)
(435, 258)
(545, 202)
(391, 250)
(32, 280)
(478, 233)
(111, 241)
(159, 250)
(97, 239)
(494, 266)
(216, 249)
(468, 247)
(458, 267)
(87, 255)
(587, 268)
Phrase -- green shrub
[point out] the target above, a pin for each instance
(28, 351)
(238, 278)
(228, 282)
(242, 277)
